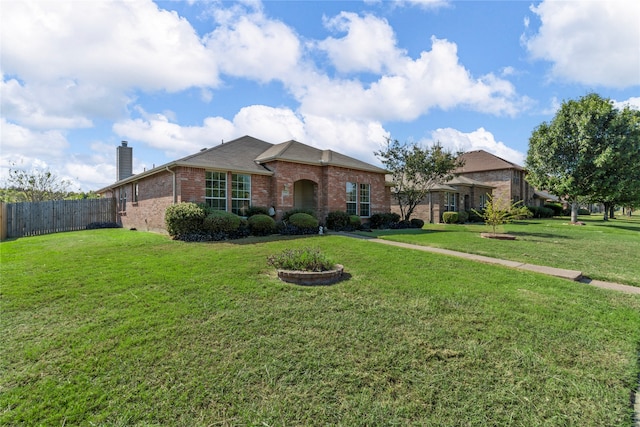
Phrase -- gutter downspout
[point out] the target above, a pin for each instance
(174, 184)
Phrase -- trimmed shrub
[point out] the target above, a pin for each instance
(540, 212)
(98, 225)
(257, 210)
(338, 220)
(219, 223)
(463, 217)
(303, 220)
(383, 220)
(582, 211)
(354, 222)
(287, 214)
(183, 218)
(417, 223)
(555, 207)
(306, 259)
(450, 217)
(475, 216)
(261, 225)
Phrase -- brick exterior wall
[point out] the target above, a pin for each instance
(430, 210)
(155, 192)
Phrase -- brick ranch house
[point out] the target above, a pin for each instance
(245, 172)
(483, 173)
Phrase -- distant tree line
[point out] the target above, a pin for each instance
(38, 185)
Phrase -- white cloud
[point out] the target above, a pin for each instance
(633, 103)
(424, 4)
(369, 44)
(589, 42)
(20, 142)
(435, 80)
(115, 44)
(480, 139)
(254, 47)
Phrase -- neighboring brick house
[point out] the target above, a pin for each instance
(507, 178)
(460, 193)
(249, 172)
(483, 173)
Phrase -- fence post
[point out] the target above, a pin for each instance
(3, 221)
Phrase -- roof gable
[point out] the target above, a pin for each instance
(480, 160)
(297, 152)
(237, 155)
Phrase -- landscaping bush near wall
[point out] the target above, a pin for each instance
(383, 220)
(299, 224)
(450, 217)
(540, 212)
(261, 225)
(555, 207)
(338, 221)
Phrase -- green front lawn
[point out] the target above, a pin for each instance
(607, 251)
(115, 327)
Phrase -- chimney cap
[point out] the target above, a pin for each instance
(124, 143)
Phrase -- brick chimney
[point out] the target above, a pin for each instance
(124, 161)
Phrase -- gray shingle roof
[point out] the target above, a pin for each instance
(480, 160)
(297, 152)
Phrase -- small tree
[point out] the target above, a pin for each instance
(37, 185)
(498, 212)
(415, 171)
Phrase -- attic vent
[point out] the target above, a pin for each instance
(203, 149)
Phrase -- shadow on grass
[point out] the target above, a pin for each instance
(541, 235)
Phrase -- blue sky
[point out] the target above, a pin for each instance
(174, 77)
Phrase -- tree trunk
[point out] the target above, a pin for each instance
(605, 216)
(574, 211)
(612, 213)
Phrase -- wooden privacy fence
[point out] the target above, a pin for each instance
(33, 218)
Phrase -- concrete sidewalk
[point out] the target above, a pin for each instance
(551, 271)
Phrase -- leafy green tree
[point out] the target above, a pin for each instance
(586, 151)
(618, 164)
(36, 185)
(415, 171)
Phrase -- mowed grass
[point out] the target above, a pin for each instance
(115, 327)
(601, 250)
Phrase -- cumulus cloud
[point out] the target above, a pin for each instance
(592, 42)
(434, 80)
(116, 44)
(633, 103)
(357, 138)
(369, 45)
(480, 139)
(254, 47)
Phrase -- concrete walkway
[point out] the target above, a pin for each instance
(574, 275)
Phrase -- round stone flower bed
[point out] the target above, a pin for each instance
(498, 236)
(312, 278)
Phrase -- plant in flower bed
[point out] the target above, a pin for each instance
(305, 259)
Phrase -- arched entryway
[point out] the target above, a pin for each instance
(305, 195)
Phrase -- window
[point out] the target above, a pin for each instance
(450, 202)
(365, 199)
(123, 199)
(484, 198)
(240, 193)
(352, 198)
(358, 199)
(516, 177)
(135, 192)
(215, 195)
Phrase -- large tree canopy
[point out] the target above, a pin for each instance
(415, 171)
(589, 150)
